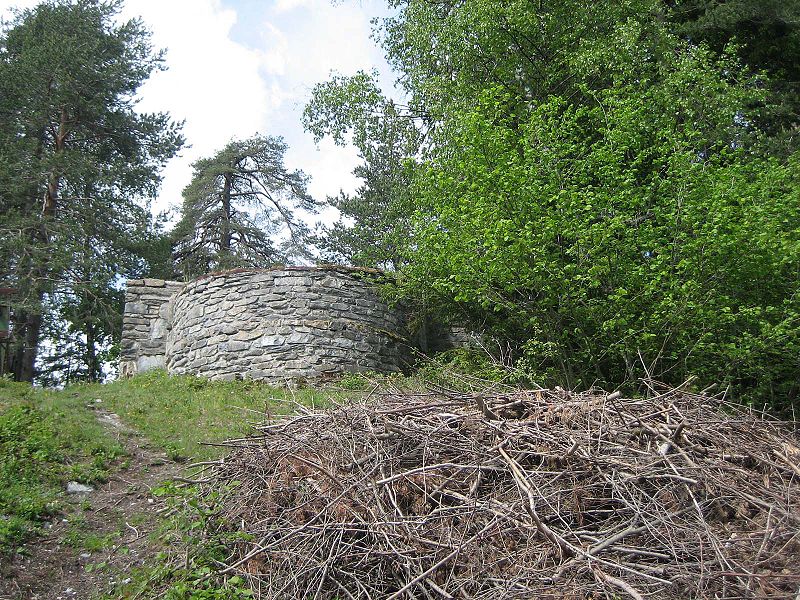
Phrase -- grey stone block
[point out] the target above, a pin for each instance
(273, 340)
(235, 346)
(158, 329)
(146, 363)
(135, 308)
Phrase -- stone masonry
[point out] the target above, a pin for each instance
(272, 325)
(146, 321)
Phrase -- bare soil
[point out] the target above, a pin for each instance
(100, 535)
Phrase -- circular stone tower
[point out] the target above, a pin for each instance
(284, 324)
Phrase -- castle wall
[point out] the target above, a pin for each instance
(284, 324)
(145, 323)
(272, 325)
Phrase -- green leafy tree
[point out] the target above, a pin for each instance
(628, 238)
(238, 204)
(374, 224)
(446, 53)
(605, 185)
(72, 144)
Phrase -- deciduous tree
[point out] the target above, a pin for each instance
(375, 222)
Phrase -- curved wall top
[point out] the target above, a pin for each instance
(274, 325)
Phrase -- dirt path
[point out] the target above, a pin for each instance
(101, 535)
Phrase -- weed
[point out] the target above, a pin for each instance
(46, 439)
(197, 541)
(79, 536)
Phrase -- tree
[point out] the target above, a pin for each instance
(765, 35)
(375, 222)
(237, 205)
(72, 143)
(605, 185)
(637, 235)
(446, 54)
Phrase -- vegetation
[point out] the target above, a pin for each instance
(611, 189)
(50, 437)
(375, 222)
(160, 407)
(46, 440)
(764, 35)
(77, 163)
(237, 202)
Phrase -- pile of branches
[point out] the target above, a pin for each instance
(535, 494)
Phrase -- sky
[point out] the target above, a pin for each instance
(240, 67)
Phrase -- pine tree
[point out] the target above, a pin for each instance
(240, 209)
(71, 145)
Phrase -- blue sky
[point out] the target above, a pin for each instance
(240, 67)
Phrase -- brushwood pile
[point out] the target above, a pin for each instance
(531, 494)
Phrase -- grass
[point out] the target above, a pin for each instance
(180, 413)
(80, 536)
(49, 437)
(46, 439)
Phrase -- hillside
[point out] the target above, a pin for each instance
(387, 489)
(125, 440)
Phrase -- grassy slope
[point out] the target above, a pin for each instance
(179, 413)
(46, 440)
(50, 437)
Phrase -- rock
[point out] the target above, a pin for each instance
(73, 487)
(158, 329)
(145, 363)
(156, 283)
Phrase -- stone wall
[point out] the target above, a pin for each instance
(273, 325)
(284, 324)
(145, 323)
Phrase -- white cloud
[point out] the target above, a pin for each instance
(212, 82)
(275, 54)
(286, 5)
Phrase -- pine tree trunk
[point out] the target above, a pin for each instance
(29, 347)
(225, 227)
(91, 353)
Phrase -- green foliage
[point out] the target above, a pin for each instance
(463, 368)
(609, 187)
(204, 540)
(374, 224)
(46, 439)
(77, 165)
(236, 202)
(765, 35)
(637, 233)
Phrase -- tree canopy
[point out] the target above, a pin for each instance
(77, 164)
(238, 204)
(611, 187)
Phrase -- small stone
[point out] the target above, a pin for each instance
(272, 340)
(73, 487)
